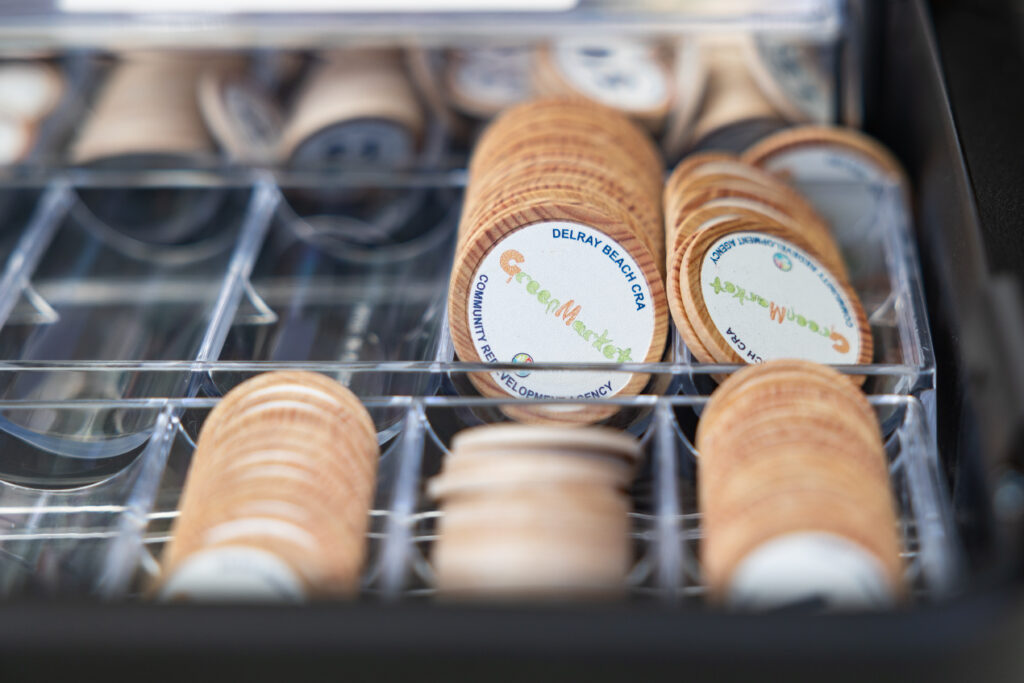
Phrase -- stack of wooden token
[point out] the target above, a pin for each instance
(356, 106)
(632, 76)
(826, 153)
(753, 272)
(536, 512)
(29, 90)
(277, 498)
(794, 491)
(560, 251)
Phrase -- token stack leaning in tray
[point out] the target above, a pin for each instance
(559, 255)
(278, 495)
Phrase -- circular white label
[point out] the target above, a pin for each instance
(558, 292)
(494, 77)
(621, 74)
(236, 574)
(847, 188)
(770, 299)
(809, 568)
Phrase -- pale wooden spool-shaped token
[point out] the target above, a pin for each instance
(368, 93)
(602, 440)
(147, 106)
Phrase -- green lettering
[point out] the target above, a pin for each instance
(533, 287)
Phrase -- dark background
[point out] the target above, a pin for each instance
(981, 43)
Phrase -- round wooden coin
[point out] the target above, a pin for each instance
(826, 153)
(502, 259)
(602, 440)
(628, 75)
(29, 90)
(754, 292)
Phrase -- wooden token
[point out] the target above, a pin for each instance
(571, 114)
(285, 464)
(732, 327)
(786, 448)
(777, 373)
(543, 180)
(29, 91)
(483, 81)
(517, 469)
(356, 106)
(628, 75)
(602, 440)
(826, 153)
(147, 105)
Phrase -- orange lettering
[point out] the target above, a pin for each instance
(568, 315)
(841, 344)
(508, 261)
(781, 310)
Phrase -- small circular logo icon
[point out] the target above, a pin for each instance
(522, 358)
(782, 262)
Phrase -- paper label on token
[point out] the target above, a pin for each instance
(233, 573)
(824, 162)
(770, 299)
(846, 187)
(560, 292)
(620, 74)
(810, 568)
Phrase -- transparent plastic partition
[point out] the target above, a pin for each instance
(105, 539)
